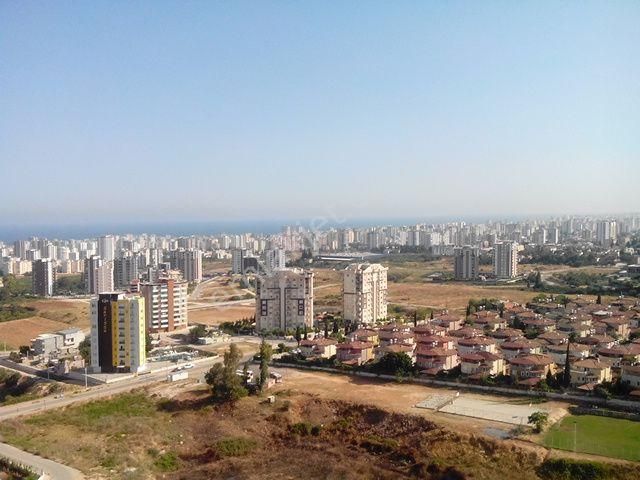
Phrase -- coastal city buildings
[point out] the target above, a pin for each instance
(188, 262)
(364, 293)
(118, 332)
(284, 300)
(98, 275)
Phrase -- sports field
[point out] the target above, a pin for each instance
(610, 437)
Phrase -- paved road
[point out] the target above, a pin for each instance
(54, 470)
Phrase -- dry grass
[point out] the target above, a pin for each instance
(452, 296)
(135, 436)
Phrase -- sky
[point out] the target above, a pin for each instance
(156, 110)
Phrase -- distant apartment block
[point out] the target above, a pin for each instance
(118, 333)
(107, 248)
(127, 268)
(466, 263)
(606, 232)
(43, 277)
(364, 293)
(98, 275)
(284, 299)
(189, 263)
(505, 260)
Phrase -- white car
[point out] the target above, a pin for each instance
(187, 366)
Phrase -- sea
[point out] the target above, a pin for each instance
(64, 231)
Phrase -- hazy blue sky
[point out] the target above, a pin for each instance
(152, 110)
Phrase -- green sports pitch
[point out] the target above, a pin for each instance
(609, 437)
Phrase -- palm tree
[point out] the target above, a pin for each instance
(566, 378)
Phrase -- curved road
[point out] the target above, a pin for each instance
(51, 469)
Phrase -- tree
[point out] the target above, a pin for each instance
(395, 363)
(539, 420)
(147, 343)
(85, 349)
(306, 332)
(599, 300)
(226, 385)
(326, 329)
(415, 318)
(298, 335)
(538, 281)
(24, 350)
(197, 332)
(335, 326)
(566, 378)
(265, 358)
(431, 315)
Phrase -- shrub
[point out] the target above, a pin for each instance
(167, 462)
(235, 446)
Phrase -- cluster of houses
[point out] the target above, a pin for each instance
(526, 343)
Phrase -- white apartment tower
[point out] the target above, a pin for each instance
(98, 275)
(274, 259)
(364, 293)
(466, 262)
(505, 259)
(107, 248)
(284, 300)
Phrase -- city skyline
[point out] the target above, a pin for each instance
(283, 111)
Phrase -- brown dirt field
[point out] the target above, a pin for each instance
(452, 296)
(20, 332)
(216, 266)
(395, 397)
(217, 315)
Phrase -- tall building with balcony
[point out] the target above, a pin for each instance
(505, 259)
(165, 304)
(364, 293)
(43, 277)
(284, 299)
(466, 262)
(118, 333)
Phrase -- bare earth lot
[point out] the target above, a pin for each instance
(54, 314)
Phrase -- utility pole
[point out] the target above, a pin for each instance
(85, 377)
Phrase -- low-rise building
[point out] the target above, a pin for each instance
(482, 364)
(530, 369)
(434, 360)
(631, 375)
(355, 353)
(590, 371)
(318, 347)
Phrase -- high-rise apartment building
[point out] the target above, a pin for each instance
(127, 268)
(165, 303)
(189, 263)
(274, 259)
(98, 275)
(505, 259)
(606, 232)
(107, 248)
(284, 300)
(118, 333)
(237, 260)
(466, 262)
(364, 293)
(43, 277)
